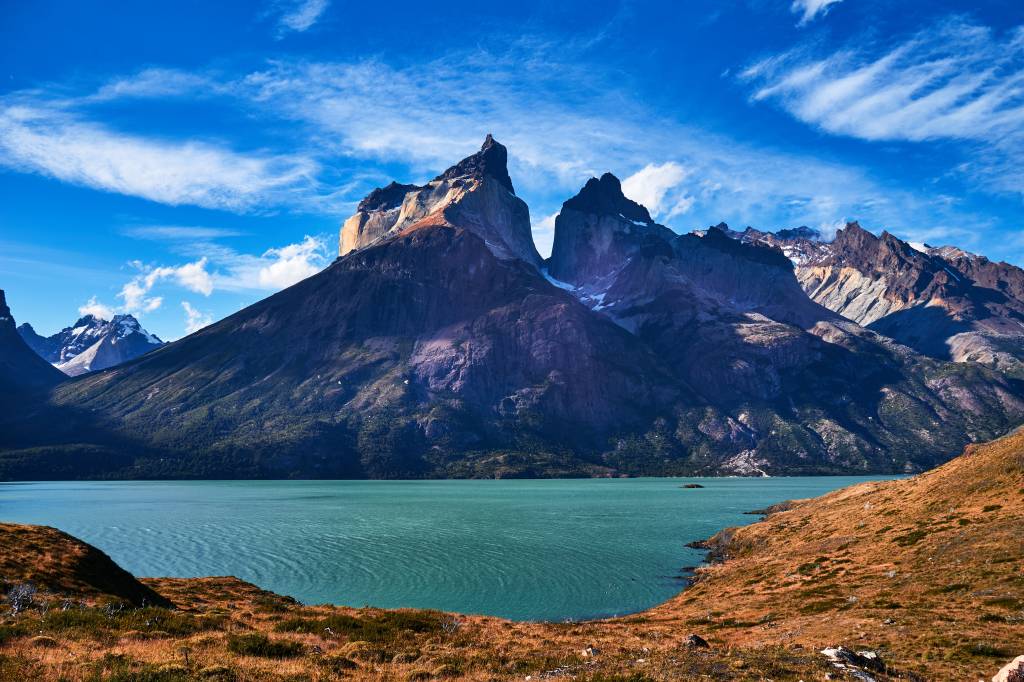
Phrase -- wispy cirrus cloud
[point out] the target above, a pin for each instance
(811, 9)
(53, 140)
(561, 120)
(178, 232)
(298, 15)
(195, 319)
(956, 81)
(561, 126)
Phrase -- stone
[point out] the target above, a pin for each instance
(1011, 672)
(697, 642)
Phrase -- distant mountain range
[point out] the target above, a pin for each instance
(91, 343)
(440, 344)
(941, 301)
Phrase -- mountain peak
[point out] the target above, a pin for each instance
(6, 319)
(603, 196)
(491, 160)
(89, 320)
(802, 232)
(386, 198)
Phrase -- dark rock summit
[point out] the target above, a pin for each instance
(490, 161)
(598, 230)
(386, 198)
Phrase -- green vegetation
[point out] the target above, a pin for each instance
(257, 644)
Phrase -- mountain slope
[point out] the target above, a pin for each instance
(92, 343)
(926, 570)
(22, 372)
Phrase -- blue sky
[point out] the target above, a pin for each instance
(182, 160)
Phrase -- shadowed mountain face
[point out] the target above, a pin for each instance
(942, 302)
(22, 372)
(439, 345)
(91, 343)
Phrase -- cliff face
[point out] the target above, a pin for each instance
(475, 194)
(22, 372)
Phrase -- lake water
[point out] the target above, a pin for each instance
(530, 550)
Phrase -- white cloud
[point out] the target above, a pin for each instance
(562, 120)
(809, 9)
(179, 232)
(292, 263)
(195, 319)
(954, 81)
(300, 15)
(52, 142)
(192, 276)
(136, 292)
(154, 82)
(96, 309)
(649, 185)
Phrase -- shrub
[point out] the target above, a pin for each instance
(256, 644)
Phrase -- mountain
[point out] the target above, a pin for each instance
(788, 384)
(439, 344)
(430, 352)
(943, 302)
(22, 372)
(92, 343)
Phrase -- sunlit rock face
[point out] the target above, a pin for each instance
(475, 194)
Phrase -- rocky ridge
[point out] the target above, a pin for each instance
(943, 302)
(92, 343)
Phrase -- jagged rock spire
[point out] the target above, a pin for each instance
(603, 196)
(6, 319)
(492, 160)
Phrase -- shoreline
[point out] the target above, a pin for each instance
(873, 577)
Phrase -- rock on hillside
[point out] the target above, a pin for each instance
(54, 561)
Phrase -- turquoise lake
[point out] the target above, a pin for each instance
(528, 550)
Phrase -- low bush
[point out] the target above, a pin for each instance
(255, 644)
